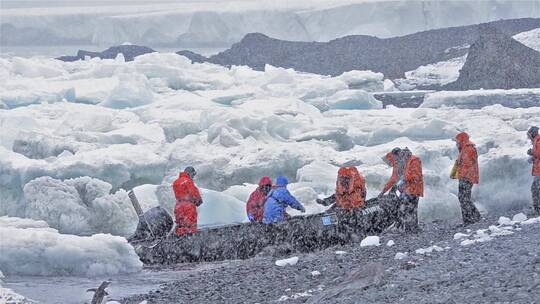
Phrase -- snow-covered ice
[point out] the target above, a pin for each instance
(31, 248)
(390, 243)
(284, 262)
(266, 123)
(477, 99)
(371, 240)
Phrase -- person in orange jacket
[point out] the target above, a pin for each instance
(468, 175)
(188, 198)
(391, 160)
(350, 190)
(411, 188)
(534, 158)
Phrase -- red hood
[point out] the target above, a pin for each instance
(265, 180)
(390, 158)
(462, 139)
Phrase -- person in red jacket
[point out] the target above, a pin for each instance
(534, 158)
(188, 199)
(255, 203)
(411, 187)
(391, 160)
(468, 175)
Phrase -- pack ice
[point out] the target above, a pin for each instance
(75, 136)
(33, 248)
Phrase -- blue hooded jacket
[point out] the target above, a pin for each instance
(278, 200)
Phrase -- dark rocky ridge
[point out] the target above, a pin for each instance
(391, 56)
(129, 52)
(496, 61)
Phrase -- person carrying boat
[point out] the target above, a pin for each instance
(411, 187)
(255, 203)
(534, 159)
(350, 190)
(391, 160)
(467, 172)
(188, 198)
(277, 202)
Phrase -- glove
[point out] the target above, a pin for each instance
(319, 201)
(530, 152)
(303, 210)
(251, 218)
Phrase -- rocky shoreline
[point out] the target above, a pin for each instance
(486, 263)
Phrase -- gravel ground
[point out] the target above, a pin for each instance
(503, 270)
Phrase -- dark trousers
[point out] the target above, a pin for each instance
(408, 213)
(535, 190)
(468, 210)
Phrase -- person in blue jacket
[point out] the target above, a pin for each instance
(278, 200)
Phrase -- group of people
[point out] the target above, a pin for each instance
(268, 203)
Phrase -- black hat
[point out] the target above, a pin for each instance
(533, 132)
(191, 171)
(396, 150)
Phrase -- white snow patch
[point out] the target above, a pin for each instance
(290, 261)
(371, 240)
(340, 252)
(390, 243)
(439, 73)
(315, 273)
(530, 39)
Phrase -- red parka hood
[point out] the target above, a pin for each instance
(265, 180)
(463, 140)
(390, 159)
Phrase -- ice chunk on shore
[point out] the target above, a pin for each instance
(290, 261)
(459, 236)
(520, 217)
(390, 243)
(503, 220)
(80, 206)
(371, 240)
(401, 256)
(429, 249)
(43, 251)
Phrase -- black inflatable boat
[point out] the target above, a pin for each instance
(155, 244)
